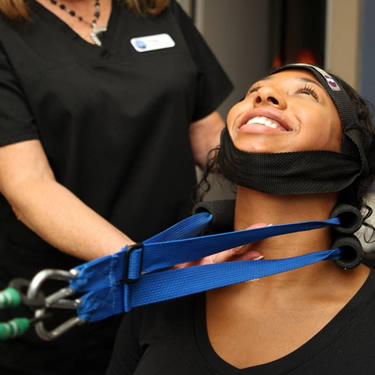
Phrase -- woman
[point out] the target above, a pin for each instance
(95, 97)
(299, 122)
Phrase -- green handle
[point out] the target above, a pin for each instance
(14, 328)
(9, 297)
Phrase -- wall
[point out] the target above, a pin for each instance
(343, 39)
(186, 5)
(237, 32)
(367, 51)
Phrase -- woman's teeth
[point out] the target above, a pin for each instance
(263, 121)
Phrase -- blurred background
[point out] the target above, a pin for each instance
(249, 37)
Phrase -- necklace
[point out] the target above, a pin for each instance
(96, 31)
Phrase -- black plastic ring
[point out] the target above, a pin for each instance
(352, 252)
(350, 217)
(222, 212)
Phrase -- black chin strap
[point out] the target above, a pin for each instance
(302, 172)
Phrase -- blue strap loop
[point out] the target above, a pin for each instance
(165, 285)
(166, 254)
(127, 279)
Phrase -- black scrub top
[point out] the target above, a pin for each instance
(113, 121)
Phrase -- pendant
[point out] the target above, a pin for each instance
(95, 33)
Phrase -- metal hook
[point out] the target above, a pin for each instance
(55, 300)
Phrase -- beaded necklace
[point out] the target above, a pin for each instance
(96, 31)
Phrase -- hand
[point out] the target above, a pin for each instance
(235, 254)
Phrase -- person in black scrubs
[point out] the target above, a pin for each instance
(105, 109)
(300, 142)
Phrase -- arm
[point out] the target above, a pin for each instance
(204, 136)
(49, 209)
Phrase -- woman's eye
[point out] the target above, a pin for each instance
(308, 91)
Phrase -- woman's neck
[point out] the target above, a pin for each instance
(83, 8)
(254, 207)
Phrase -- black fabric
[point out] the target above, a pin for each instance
(171, 338)
(114, 125)
(288, 173)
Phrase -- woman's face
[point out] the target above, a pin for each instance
(285, 112)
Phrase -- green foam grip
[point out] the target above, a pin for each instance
(14, 328)
(9, 297)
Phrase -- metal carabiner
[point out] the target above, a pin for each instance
(55, 300)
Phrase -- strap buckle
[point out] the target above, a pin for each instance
(127, 260)
(55, 300)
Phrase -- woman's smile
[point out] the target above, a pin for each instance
(263, 120)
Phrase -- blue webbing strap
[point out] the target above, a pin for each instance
(165, 285)
(161, 255)
(189, 227)
(108, 294)
(104, 271)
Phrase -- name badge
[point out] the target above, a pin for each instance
(152, 42)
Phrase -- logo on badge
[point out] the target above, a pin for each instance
(140, 44)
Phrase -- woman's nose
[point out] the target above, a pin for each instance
(269, 96)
